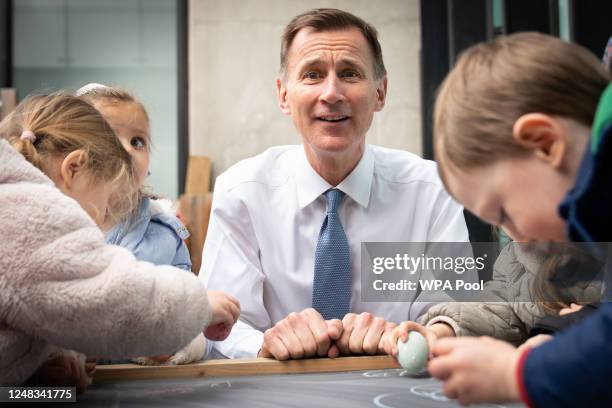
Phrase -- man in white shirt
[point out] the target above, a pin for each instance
(284, 219)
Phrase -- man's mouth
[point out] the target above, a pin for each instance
(333, 118)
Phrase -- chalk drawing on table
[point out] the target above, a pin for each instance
(381, 373)
(224, 384)
(431, 391)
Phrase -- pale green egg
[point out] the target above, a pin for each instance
(412, 355)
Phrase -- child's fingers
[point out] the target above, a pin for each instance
(77, 375)
(446, 345)
(441, 367)
(234, 308)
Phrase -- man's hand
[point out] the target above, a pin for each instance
(301, 335)
(362, 334)
(225, 313)
(476, 370)
(66, 369)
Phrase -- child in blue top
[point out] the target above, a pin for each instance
(151, 232)
(523, 135)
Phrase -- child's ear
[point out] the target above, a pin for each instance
(72, 166)
(281, 93)
(542, 134)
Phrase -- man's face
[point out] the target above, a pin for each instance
(329, 89)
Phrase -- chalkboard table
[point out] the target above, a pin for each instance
(342, 382)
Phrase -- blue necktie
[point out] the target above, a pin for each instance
(332, 284)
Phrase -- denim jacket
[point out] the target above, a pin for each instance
(153, 235)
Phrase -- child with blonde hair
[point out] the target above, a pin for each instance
(523, 133)
(64, 291)
(151, 231)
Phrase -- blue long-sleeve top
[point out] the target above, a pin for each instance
(153, 235)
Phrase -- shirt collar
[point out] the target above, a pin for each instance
(357, 185)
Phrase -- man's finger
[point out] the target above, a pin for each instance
(333, 351)
(275, 348)
(334, 328)
(362, 325)
(291, 341)
(343, 342)
(319, 329)
(373, 336)
(307, 340)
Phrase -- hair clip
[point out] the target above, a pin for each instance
(91, 87)
(28, 135)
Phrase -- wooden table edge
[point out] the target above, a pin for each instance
(240, 367)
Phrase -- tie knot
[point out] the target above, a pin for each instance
(334, 198)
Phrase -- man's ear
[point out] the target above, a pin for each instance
(72, 166)
(381, 94)
(543, 135)
(281, 94)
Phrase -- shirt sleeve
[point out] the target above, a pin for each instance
(448, 225)
(573, 369)
(231, 264)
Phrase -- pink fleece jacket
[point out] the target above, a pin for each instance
(62, 288)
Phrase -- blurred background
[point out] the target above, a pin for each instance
(206, 69)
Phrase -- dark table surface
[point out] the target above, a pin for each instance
(375, 388)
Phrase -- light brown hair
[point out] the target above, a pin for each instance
(97, 94)
(497, 82)
(100, 95)
(63, 123)
(329, 19)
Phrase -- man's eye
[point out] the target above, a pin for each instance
(350, 74)
(311, 75)
(138, 143)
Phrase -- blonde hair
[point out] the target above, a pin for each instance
(63, 123)
(97, 94)
(497, 82)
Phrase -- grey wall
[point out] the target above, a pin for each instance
(128, 43)
(233, 63)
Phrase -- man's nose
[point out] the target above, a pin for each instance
(333, 91)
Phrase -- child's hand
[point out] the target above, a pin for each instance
(574, 307)
(535, 341)
(476, 370)
(66, 369)
(225, 312)
(192, 352)
(151, 360)
(431, 334)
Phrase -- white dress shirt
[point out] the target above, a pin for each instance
(266, 216)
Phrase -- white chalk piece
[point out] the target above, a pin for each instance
(412, 355)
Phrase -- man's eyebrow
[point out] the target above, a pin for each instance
(351, 61)
(309, 62)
